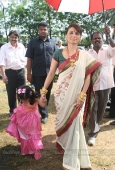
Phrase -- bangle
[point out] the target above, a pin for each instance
(82, 96)
(43, 91)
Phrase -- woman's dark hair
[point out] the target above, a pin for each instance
(96, 32)
(76, 26)
(14, 32)
(25, 93)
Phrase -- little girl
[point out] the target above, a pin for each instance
(25, 123)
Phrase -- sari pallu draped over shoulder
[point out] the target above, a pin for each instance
(68, 124)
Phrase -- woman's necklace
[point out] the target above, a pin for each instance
(72, 61)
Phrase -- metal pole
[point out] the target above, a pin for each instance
(49, 21)
(104, 12)
(104, 16)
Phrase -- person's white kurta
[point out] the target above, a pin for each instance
(105, 79)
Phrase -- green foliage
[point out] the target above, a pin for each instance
(25, 17)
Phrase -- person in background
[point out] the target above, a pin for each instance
(39, 55)
(75, 68)
(13, 62)
(112, 94)
(25, 123)
(87, 48)
(59, 44)
(0, 67)
(104, 82)
(31, 83)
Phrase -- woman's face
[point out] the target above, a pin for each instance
(72, 36)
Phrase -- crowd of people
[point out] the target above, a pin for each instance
(83, 86)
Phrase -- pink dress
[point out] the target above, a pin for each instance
(25, 126)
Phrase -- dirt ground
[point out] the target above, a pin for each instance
(102, 155)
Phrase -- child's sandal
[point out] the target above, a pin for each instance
(37, 155)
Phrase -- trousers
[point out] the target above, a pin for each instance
(112, 105)
(16, 78)
(101, 98)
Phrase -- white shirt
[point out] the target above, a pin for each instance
(13, 58)
(61, 47)
(105, 57)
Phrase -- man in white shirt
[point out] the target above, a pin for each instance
(104, 82)
(12, 63)
(59, 44)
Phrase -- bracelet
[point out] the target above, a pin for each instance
(82, 96)
(43, 91)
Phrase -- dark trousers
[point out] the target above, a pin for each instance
(101, 98)
(16, 78)
(112, 106)
(38, 83)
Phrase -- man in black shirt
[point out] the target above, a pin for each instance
(39, 53)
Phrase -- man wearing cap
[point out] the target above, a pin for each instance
(12, 63)
(39, 55)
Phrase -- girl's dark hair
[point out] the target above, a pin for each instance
(76, 26)
(96, 32)
(25, 93)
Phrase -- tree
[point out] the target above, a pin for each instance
(26, 16)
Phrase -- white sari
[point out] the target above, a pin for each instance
(68, 124)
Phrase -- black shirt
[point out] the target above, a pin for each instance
(41, 52)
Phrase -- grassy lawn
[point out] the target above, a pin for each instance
(102, 155)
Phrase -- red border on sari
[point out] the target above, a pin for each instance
(93, 68)
(59, 148)
(89, 91)
(67, 61)
(68, 124)
(72, 117)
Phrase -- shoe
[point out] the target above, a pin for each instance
(44, 120)
(32, 86)
(108, 116)
(91, 141)
(112, 123)
(10, 113)
(37, 155)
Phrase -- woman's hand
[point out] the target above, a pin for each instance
(79, 103)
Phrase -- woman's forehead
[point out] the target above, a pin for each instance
(72, 29)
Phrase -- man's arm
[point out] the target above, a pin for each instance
(107, 32)
(29, 67)
(112, 42)
(4, 77)
(2, 64)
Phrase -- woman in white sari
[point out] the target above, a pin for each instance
(75, 69)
